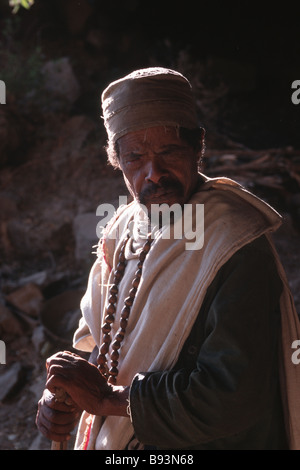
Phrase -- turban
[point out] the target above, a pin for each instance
(148, 97)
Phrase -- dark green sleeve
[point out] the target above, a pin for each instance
(231, 381)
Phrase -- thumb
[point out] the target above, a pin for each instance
(58, 386)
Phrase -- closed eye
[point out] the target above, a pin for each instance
(132, 158)
(171, 150)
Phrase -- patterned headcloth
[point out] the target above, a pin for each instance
(148, 97)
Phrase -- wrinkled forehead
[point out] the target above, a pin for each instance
(150, 138)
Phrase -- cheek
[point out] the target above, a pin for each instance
(182, 174)
(186, 176)
(134, 181)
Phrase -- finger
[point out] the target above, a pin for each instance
(64, 375)
(50, 401)
(68, 363)
(64, 355)
(61, 367)
(59, 417)
(69, 353)
(54, 436)
(50, 358)
(58, 381)
(58, 360)
(72, 370)
(54, 431)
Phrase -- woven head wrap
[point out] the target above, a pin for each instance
(148, 97)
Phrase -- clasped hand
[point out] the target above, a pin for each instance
(85, 386)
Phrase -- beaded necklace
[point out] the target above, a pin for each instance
(112, 373)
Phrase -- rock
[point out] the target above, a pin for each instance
(71, 139)
(38, 385)
(27, 298)
(10, 380)
(295, 209)
(60, 240)
(10, 327)
(12, 136)
(37, 443)
(18, 229)
(228, 158)
(76, 130)
(8, 207)
(59, 79)
(38, 338)
(96, 38)
(38, 278)
(52, 234)
(5, 245)
(84, 229)
(8, 211)
(60, 315)
(295, 200)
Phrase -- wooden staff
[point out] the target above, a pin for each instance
(59, 445)
(62, 397)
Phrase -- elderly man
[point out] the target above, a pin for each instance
(190, 337)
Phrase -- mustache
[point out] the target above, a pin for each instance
(164, 186)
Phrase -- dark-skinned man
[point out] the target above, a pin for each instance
(189, 319)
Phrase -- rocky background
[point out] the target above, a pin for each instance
(55, 60)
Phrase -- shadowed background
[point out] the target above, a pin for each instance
(55, 59)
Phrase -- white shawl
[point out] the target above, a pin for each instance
(170, 295)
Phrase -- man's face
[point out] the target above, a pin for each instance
(158, 166)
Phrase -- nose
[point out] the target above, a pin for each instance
(155, 170)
